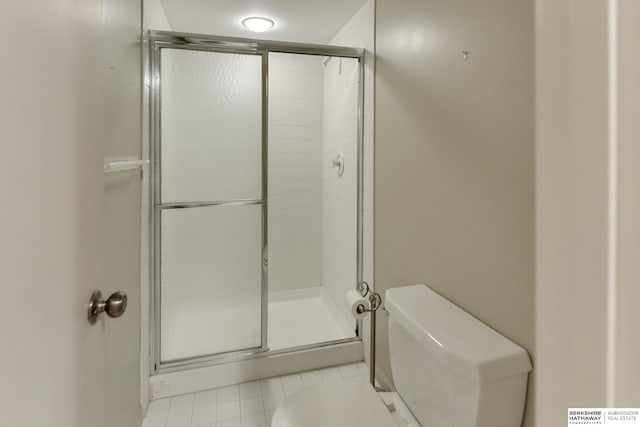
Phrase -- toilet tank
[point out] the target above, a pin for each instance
(451, 369)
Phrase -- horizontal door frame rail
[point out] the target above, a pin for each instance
(241, 45)
(184, 205)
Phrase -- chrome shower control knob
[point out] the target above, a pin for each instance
(338, 163)
(114, 306)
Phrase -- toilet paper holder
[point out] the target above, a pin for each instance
(375, 300)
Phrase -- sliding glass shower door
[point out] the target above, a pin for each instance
(209, 203)
(243, 131)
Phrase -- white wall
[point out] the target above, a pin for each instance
(358, 30)
(588, 92)
(627, 340)
(295, 175)
(571, 209)
(154, 16)
(454, 183)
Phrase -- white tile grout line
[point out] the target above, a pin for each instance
(254, 402)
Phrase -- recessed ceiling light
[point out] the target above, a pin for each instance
(258, 24)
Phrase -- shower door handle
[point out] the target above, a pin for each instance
(114, 306)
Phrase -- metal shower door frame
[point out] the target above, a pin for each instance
(158, 40)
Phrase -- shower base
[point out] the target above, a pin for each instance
(296, 318)
(304, 317)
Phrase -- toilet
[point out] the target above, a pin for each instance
(449, 369)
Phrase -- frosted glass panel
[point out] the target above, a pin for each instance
(210, 280)
(211, 125)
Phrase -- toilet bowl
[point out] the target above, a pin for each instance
(450, 370)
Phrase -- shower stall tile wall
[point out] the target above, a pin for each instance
(307, 242)
(340, 80)
(295, 174)
(339, 193)
(358, 32)
(312, 211)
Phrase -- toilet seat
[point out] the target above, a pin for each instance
(351, 403)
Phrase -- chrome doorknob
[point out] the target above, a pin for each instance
(114, 306)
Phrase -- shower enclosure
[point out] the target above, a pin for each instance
(256, 197)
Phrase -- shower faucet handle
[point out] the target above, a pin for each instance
(338, 163)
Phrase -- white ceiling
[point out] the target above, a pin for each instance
(304, 21)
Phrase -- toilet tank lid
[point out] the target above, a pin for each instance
(453, 336)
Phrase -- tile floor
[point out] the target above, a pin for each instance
(249, 404)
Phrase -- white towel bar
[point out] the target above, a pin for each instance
(123, 165)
